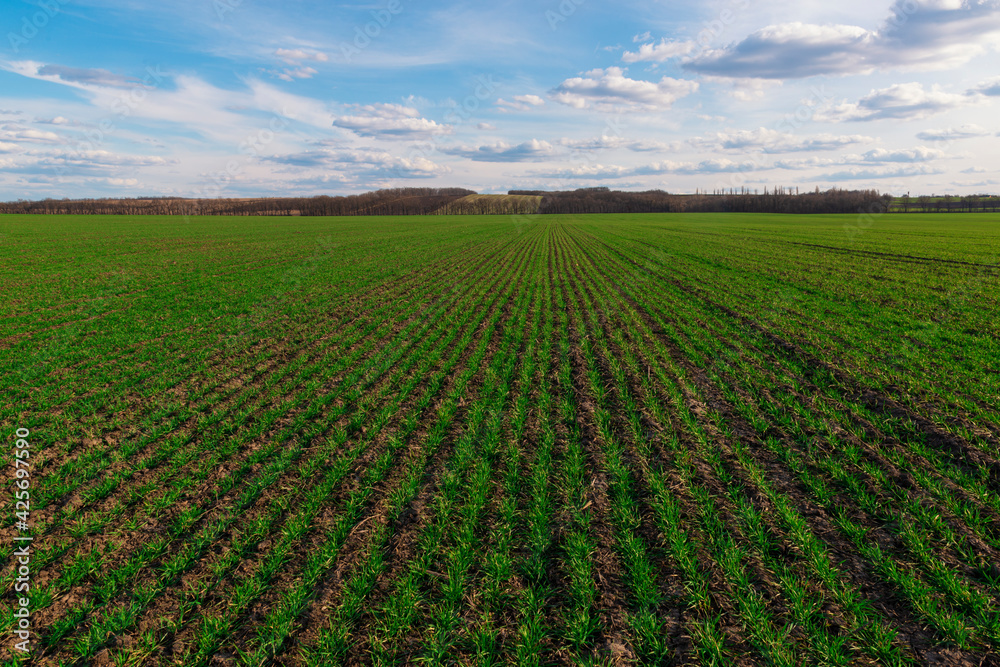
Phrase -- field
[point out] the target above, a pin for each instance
(650, 439)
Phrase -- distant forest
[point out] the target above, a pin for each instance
(778, 200)
(428, 201)
(400, 201)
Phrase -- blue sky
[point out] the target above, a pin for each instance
(238, 98)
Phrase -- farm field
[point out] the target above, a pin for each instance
(535, 440)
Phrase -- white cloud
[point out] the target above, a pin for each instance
(520, 103)
(95, 77)
(990, 88)
(19, 134)
(863, 174)
(294, 56)
(918, 154)
(504, 152)
(925, 36)
(658, 53)
(390, 121)
(750, 90)
(486, 126)
(606, 142)
(900, 101)
(610, 89)
(950, 133)
(306, 110)
(123, 182)
(60, 164)
(109, 159)
(600, 171)
(361, 163)
(296, 73)
(773, 141)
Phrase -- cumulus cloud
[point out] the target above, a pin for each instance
(520, 103)
(749, 90)
(863, 174)
(390, 121)
(773, 141)
(925, 36)
(989, 88)
(19, 134)
(486, 126)
(950, 133)
(363, 162)
(606, 142)
(658, 53)
(93, 163)
(900, 101)
(918, 154)
(610, 89)
(599, 171)
(504, 152)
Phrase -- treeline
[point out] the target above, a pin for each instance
(947, 204)
(397, 201)
(778, 200)
(493, 205)
(428, 201)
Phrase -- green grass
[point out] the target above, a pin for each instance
(534, 440)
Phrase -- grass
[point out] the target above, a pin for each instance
(587, 440)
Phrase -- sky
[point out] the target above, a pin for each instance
(242, 98)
